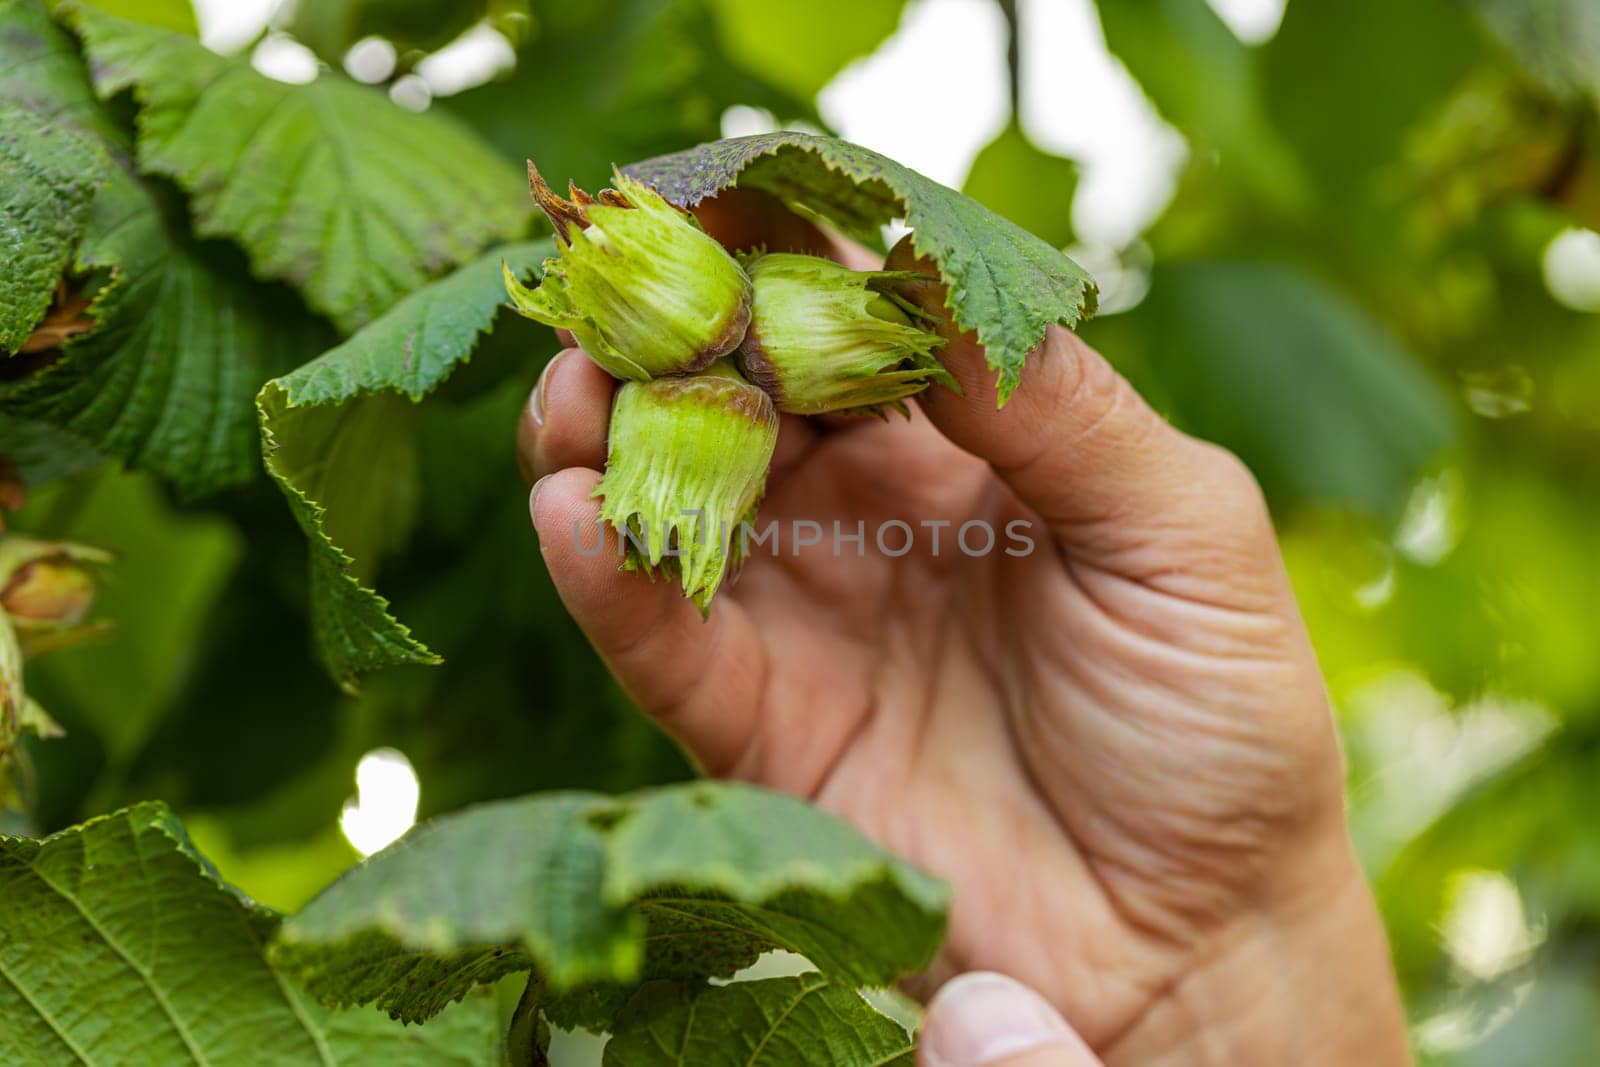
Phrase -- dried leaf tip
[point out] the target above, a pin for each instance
(561, 212)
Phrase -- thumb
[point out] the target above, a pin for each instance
(1079, 445)
(982, 1019)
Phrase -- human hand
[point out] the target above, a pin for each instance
(1117, 746)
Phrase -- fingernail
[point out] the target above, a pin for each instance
(536, 401)
(984, 1018)
(533, 500)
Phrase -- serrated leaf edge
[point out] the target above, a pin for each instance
(404, 648)
(1087, 297)
(929, 894)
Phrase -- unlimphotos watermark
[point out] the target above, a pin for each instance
(892, 537)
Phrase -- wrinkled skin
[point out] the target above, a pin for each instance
(1117, 747)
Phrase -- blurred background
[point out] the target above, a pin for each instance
(1353, 240)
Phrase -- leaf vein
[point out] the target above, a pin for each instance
(46, 1017)
(777, 1023)
(111, 943)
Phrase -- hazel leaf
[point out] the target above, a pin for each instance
(328, 186)
(159, 341)
(119, 944)
(49, 172)
(774, 1022)
(1003, 283)
(602, 893)
(339, 439)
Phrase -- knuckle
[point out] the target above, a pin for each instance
(1080, 377)
(1237, 492)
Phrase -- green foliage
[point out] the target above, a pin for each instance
(319, 187)
(170, 569)
(41, 70)
(1173, 46)
(1517, 824)
(175, 15)
(307, 178)
(119, 943)
(1544, 599)
(774, 1022)
(330, 27)
(1004, 283)
(1555, 41)
(1346, 289)
(180, 340)
(1345, 123)
(626, 79)
(800, 47)
(1031, 187)
(42, 452)
(49, 172)
(323, 425)
(602, 893)
(1321, 402)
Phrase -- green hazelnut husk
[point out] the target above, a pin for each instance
(40, 591)
(686, 464)
(47, 583)
(641, 286)
(47, 589)
(824, 338)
